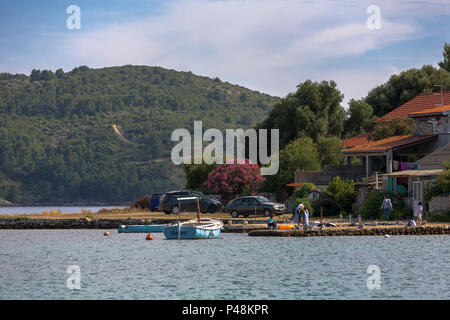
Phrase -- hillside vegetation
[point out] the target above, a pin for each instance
(103, 135)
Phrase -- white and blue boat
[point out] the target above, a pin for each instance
(204, 228)
(141, 228)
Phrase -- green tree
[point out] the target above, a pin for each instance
(396, 127)
(299, 154)
(360, 118)
(197, 174)
(446, 63)
(304, 190)
(330, 151)
(404, 87)
(35, 75)
(343, 192)
(443, 180)
(314, 110)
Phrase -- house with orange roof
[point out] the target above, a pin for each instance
(396, 158)
(420, 103)
(394, 161)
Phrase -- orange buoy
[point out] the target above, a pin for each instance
(106, 234)
(149, 237)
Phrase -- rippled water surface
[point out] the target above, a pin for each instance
(33, 265)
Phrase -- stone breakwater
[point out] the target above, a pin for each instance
(394, 231)
(236, 226)
(82, 223)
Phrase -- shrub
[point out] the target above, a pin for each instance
(304, 190)
(343, 192)
(143, 203)
(403, 213)
(52, 212)
(371, 208)
(329, 208)
(233, 179)
(439, 217)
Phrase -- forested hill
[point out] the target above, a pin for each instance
(103, 135)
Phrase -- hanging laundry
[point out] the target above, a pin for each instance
(403, 166)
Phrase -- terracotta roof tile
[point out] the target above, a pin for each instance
(421, 102)
(355, 141)
(295, 184)
(436, 110)
(388, 143)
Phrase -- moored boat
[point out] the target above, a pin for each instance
(204, 228)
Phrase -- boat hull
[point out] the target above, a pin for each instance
(190, 232)
(141, 229)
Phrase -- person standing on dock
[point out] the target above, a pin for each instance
(418, 213)
(386, 206)
(297, 213)
(305, 217)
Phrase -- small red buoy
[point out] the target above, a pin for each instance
(149, 237)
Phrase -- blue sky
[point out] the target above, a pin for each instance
(266, 45)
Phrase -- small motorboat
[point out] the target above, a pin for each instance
(204, 228)
(141, 228)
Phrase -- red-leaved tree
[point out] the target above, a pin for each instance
(230, 180)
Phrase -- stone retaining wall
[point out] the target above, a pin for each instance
(424, 230)
(82, 223)
(230, 225)
(439, 204)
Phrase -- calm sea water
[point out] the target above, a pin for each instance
(63, 209)
(33, 265)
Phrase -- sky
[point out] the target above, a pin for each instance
(265, 45)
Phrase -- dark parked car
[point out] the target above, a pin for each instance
(169, 202)
(155, 201)
(254, 205)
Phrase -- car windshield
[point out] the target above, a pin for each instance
(197, 194)
(262, 199)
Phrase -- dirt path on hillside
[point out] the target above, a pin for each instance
(120, 135)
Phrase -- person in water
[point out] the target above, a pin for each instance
(297, 214)
(271, 223)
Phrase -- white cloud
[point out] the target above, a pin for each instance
(263, 44)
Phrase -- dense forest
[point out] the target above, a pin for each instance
(103, 135)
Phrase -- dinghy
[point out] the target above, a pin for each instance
(141, 228)
(200, 228)
(207, 228)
